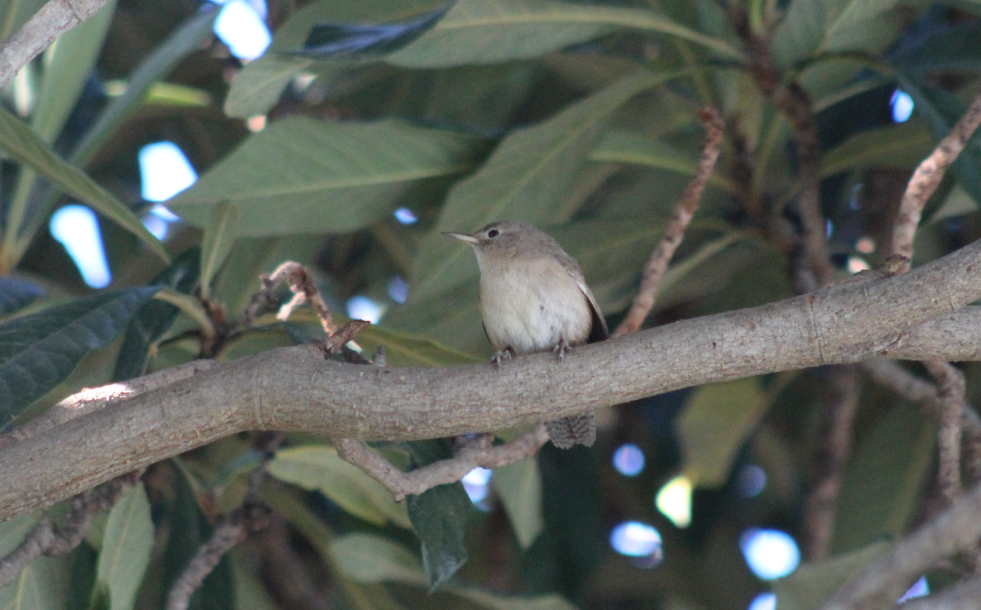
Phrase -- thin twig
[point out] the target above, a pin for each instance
(950, 383)
(480, 454)
(304, 291)
(892, 375)
(927, 177)
(252, 515)
(231, 530)
(333, 344)
(46, 539)
(841, 403)
(881, 584)
(675, 231)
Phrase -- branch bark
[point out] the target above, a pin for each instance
(54, 19)
(294, 389)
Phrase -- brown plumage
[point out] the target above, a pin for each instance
(533, 298)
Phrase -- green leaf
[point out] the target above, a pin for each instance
(156, 317)
(190, 529)
(217, 243)
(957, 203)
(156, 66)
(258, 86)
(439, 516)
(300, 175)
(40, 585)
(812, 27)
(370, 559)
(68, 64)
(403, 349)
(492, 31)
(529, 177)
(126, 548)
(519, 486)
(623, 147)
(715, 422)
(319, 468)
(40, 350)
(16, 293)
(505, 602)
(15, 14)
(813, 583)
(881, 486)
(21, 143)
(900, 146)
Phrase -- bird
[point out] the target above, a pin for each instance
(534, 298)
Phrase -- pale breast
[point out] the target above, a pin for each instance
(531, 306)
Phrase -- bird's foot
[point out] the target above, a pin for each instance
(562, 347)
(507, 352)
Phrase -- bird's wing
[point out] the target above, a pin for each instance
(599, 331)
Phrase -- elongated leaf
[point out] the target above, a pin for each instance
(217, 243)
(812, 584)
(439, 516)
(716, 421)
(258, 86)
(15, 293)
(21, 143)
(491, 31)
(305, 176)
(367, 40)
(622, 147)
(319, 468)
(403, 349)
(519, 486)
(528, 177)
(897, 146)
(505, 602)
(126, 548)
(15, 14)
(156, 317)
(159, 63)
(69, 62)
(369, 559)
(881, 485)
(812, 27)
(38, 351)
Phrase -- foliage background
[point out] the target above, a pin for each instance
(579, 117)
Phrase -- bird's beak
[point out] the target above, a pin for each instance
(470, 239)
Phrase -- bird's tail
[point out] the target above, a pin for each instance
(574, 430)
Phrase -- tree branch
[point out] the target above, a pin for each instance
(294, 389)
(54, 19)
(479, 454)
(675, 231)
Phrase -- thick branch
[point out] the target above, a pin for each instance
(295, 389)
(54, 19)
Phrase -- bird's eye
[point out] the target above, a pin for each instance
(493, 233)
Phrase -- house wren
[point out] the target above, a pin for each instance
(533, 298)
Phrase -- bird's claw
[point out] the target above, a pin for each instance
(562, 347)
(501, 354)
